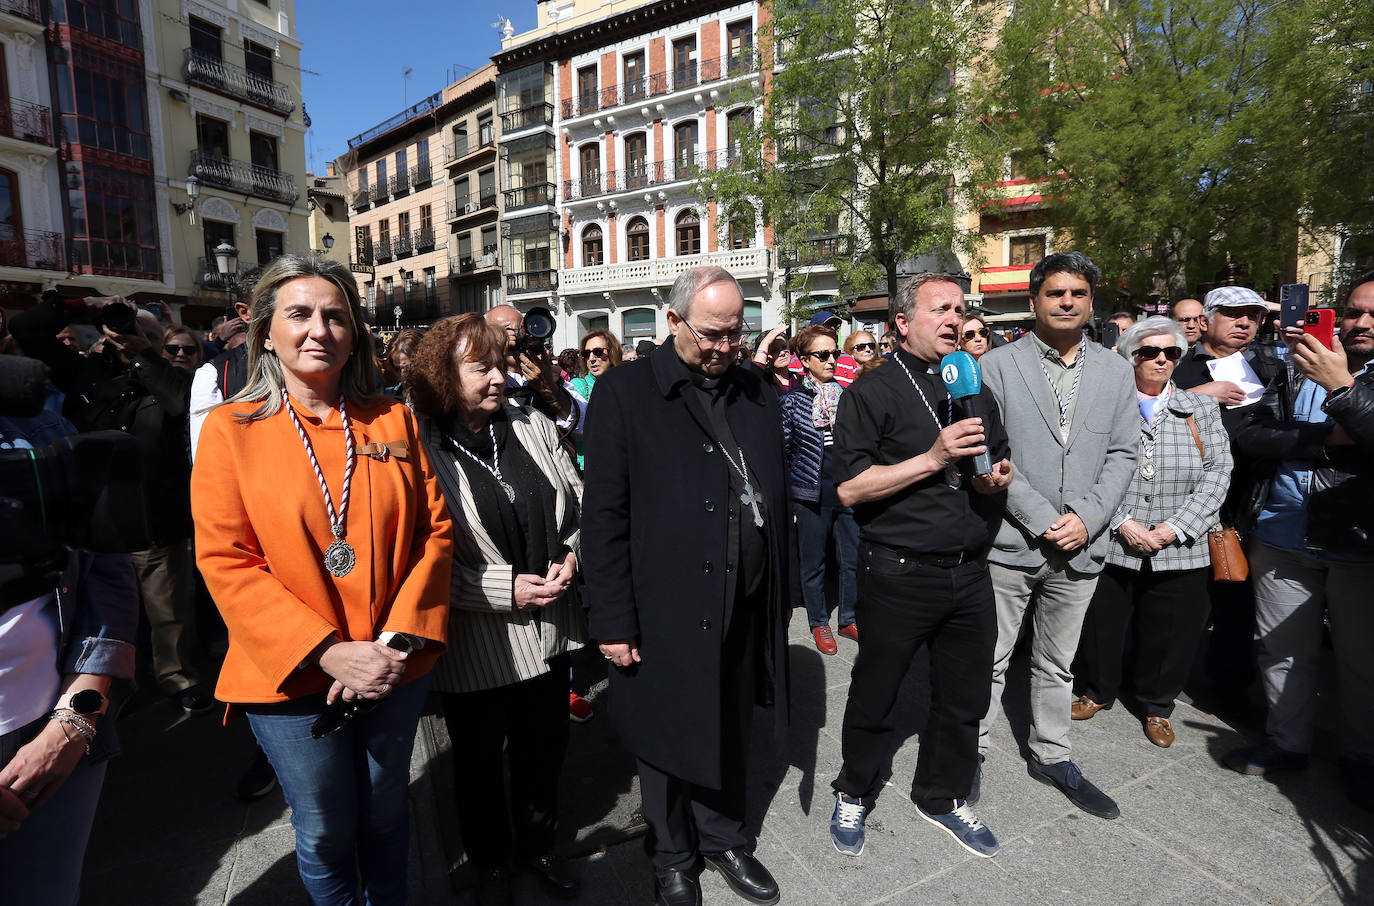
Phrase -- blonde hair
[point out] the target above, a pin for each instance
(360, 380)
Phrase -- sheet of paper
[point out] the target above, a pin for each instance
(1237, 370)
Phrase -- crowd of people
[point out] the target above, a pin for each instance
(461, 512)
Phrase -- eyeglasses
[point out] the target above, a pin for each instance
(824, 355)
(599, 351)
(864, 347)
(981, 332)
(1172, 353)
(732, 338)
(888, 345)
(174, 349)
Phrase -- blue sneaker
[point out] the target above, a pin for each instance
(964, 826)
(847, 824)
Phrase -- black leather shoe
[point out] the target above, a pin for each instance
(676, 888)
(1066, 777)
(555, 877)
(745, 875)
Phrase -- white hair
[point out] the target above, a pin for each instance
(1153, 326)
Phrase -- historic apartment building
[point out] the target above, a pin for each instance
(611, 114)
(422, 188)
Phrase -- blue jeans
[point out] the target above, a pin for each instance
(349, 793)
(40, 864)
(815, 523)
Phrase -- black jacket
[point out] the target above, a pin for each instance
(1339, 517)
(654, 554)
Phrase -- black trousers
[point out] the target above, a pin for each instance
(531, 720)
(1165, 611)
(901, 605)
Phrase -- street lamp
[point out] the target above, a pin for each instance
(227, 263)
(328, 241)
(192, 192)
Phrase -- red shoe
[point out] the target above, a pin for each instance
(850, 631)
(825, 640)
(579, 709)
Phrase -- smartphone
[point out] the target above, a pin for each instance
(1321, 323)
(1111, 334)
(1292, 305)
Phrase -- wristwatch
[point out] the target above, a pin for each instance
(85, 702)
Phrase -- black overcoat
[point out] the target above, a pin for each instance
(655, 517)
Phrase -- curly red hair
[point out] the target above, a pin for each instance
(432, 380)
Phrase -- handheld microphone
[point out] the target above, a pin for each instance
(959, 371)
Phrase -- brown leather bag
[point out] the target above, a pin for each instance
(1228, 551)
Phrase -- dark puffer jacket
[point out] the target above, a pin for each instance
(803, 443)
(1339, 518)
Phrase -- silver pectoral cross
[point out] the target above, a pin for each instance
(752, 499)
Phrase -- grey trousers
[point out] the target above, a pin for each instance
(1061, 600)
(1292, 593)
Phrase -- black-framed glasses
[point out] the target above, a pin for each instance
(173, 349)
(888, 345)
(600, 352)
(731, 338)
(865, 347)
(824, 355)
(980, 332)
(1145, 353)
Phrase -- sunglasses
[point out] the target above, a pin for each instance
(824, 355)
(1172, 353)
(599, 351)
(864, 347)
(888, 345)
(981, 332)
(173, 349)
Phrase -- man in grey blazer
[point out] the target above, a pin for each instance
(1070, 411)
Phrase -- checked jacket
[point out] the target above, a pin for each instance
(1187, 489)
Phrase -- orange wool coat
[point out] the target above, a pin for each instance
(262, 529)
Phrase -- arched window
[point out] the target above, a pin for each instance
(589, 155)
(591, 246)
(685, 145)
(637, 239)
(687, 228)
(742, 228)
(636, 160)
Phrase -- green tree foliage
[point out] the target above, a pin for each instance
(1181, 137)
(854, 158)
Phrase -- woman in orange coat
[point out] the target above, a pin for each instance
(323, 538)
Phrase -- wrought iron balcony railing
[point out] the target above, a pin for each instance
(462, 264)
(457, 150)
(26, 121)
(423, 238)
(214, 73)
(531, 281)
(689, 75)
(382, 249)
(403, 245)
(249, 179)
(463, 207)
(24, 9)
(400, 182)
(527, 117)
(361, 197)
(377, 192)
(532, 194)
(38, 249)
(421, 174)
(643, 175)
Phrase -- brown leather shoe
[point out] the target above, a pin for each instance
(1159, 731)
(1084, 707)
(825, 640)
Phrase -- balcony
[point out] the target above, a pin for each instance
(463, 264)
(531, 281)
(459, 208)
(423, 238)
(644, 175)
(528, 196)
(229, 79)
(421, 174)
(679, 78)
(527, 117)
(37, 249)
(743, 263)
(456, 151)
(400, 183)
(819, 251)
(24, 9)
(26, 121)
(250, 179)
(402, 245)
(361, 198)
(382, 249)
(209, 277)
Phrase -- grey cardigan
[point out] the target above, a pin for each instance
(490, 643)
(1187, 489)
(1087, 475)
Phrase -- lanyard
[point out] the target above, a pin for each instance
(339, 557)
(1077, 366)
(952, 476)
(495, 467)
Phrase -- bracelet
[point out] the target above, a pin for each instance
(85, 729)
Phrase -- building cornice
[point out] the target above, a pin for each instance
(603, 32)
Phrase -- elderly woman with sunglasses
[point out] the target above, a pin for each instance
(862, 345)
(976, 338)
(1154, 585)
(600, 353)
(808, 418)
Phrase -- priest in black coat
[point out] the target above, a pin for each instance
(689, 566)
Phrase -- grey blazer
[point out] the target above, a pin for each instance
(1187, 489)
(1088, 475)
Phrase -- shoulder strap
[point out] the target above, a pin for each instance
(1197, 439)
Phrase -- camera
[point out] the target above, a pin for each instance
(118, 317)
(537, 332)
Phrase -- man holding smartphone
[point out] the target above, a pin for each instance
(1313, 555)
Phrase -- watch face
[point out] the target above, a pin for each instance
(87, 701)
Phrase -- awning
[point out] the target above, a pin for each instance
(863, 306)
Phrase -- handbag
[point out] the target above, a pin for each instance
(1224, 542)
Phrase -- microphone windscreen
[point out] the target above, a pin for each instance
(959, 371)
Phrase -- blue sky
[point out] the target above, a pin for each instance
(354, 54)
